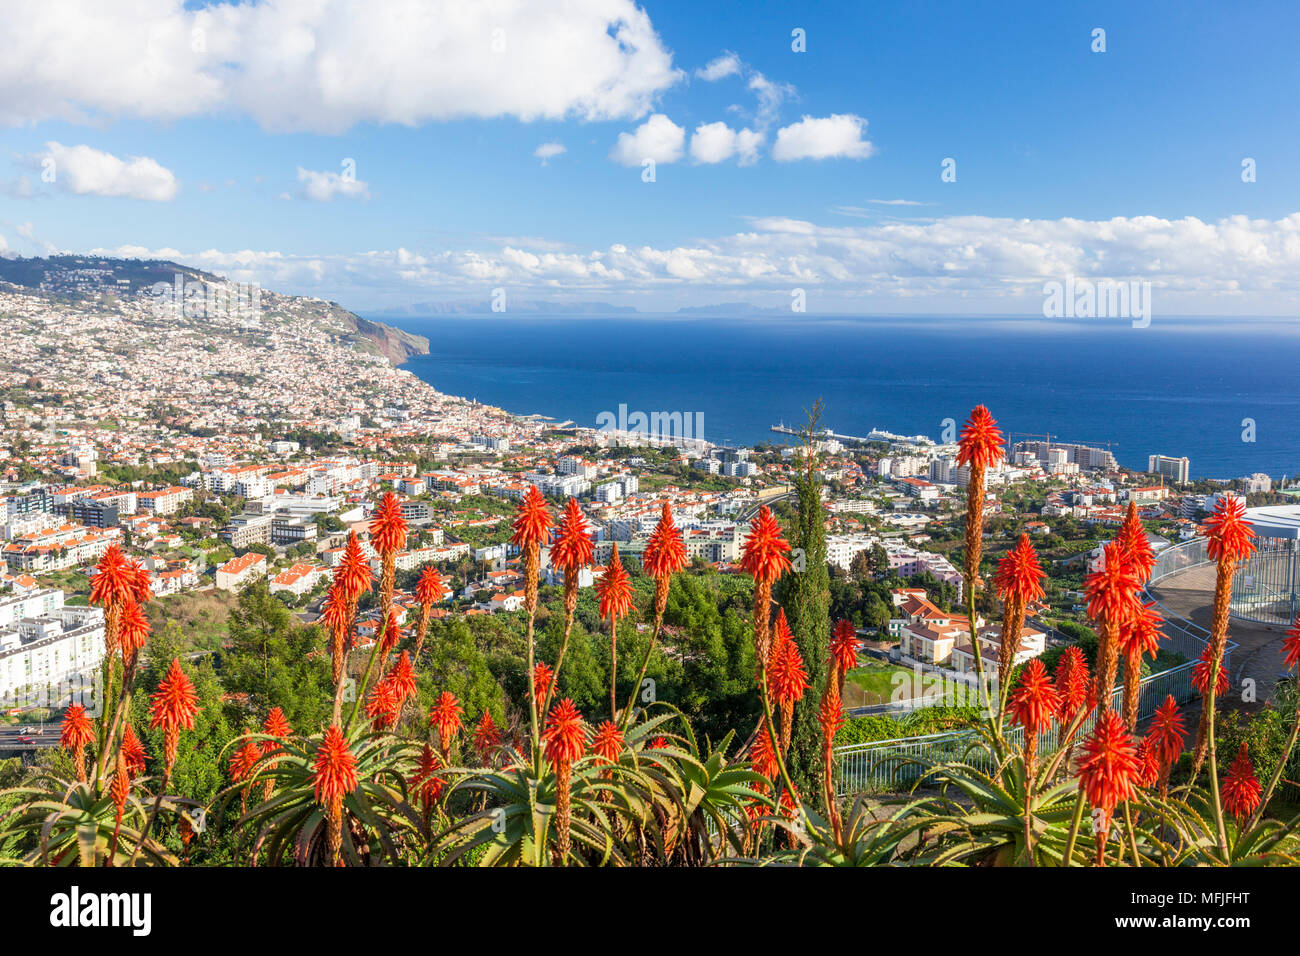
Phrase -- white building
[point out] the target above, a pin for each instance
(48, 652)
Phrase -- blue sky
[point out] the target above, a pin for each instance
(1123, 165)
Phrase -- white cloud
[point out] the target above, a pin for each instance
(1231, 264)
(325, 186)
(549, 151)
(658, 138)
(897, 202)
(86, 171)
(830, 137)
(326, 65)
(717, 142)
(728, 64)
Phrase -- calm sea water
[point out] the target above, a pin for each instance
(1178, 387)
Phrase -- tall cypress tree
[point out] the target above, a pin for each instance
(805, 596)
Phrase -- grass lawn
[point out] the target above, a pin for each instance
(877, 683)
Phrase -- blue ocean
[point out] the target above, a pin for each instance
(1225, 392)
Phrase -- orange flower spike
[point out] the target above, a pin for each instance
(764, 555)
(614, 589)
(532, 521)
(1035, 699)
(665, 552)
(563, 735)
(75, 734)
(352, 573)
(845, 647)
(1229, 532)
(277, 725)
(402, 679)
(608, 742)
(392, 634)
(387, 526)
(382, 707)
(762, 755)
(1109, 767)
(1242, 791)
(445, 715)
(1073, 682)
(114, 579)
(1201, 675)
(1140, 635)
(133, 754)
(335, 769)
(175, 704)
(1019, 575)
(141, 584)
(980, 443)
(430, 587)
(830, 714)
(1291, 644)
(543, 677)
(573, 548)
(1167, 732)
(787, 675)
(243, 762)
(1111, 591)
(487, 737)
(1133, 538)
(132, 630)
(427, 781)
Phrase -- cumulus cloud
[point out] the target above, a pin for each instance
(1230, 263)
(327, 65)
(720, 67)
(326, 186)
(658, 138)
(86, 171)
(718, 142)
(838, 136)
(549, 151)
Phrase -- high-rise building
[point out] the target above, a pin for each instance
(1172, 469)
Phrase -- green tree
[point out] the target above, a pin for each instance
(276, 660)
(805, 596)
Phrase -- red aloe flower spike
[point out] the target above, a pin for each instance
(1229, 532)
(844, 651)
(573, 548)
(1032, 705)
(1072, 682)
(387, 526)
(608, 742)
(1167, 731)
(532, 522)
(352, 573)
(1108, 771)
(75, 734)
(174, 705)
(614, 589)
(132, 752)
(445, 715)
(487, 737)
(665, 552)
(565, 742)
(1133, 538)
(334, 776)
(1291, 644)
(132, 631)
(980, 443)
(543, 677)
(1241, 789)
(427, 781)
(764, 553)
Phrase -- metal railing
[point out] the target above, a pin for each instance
(899, 764)
(892, 765)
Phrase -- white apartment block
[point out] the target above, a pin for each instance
(47, 651)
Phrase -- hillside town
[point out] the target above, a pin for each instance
(222, 453)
